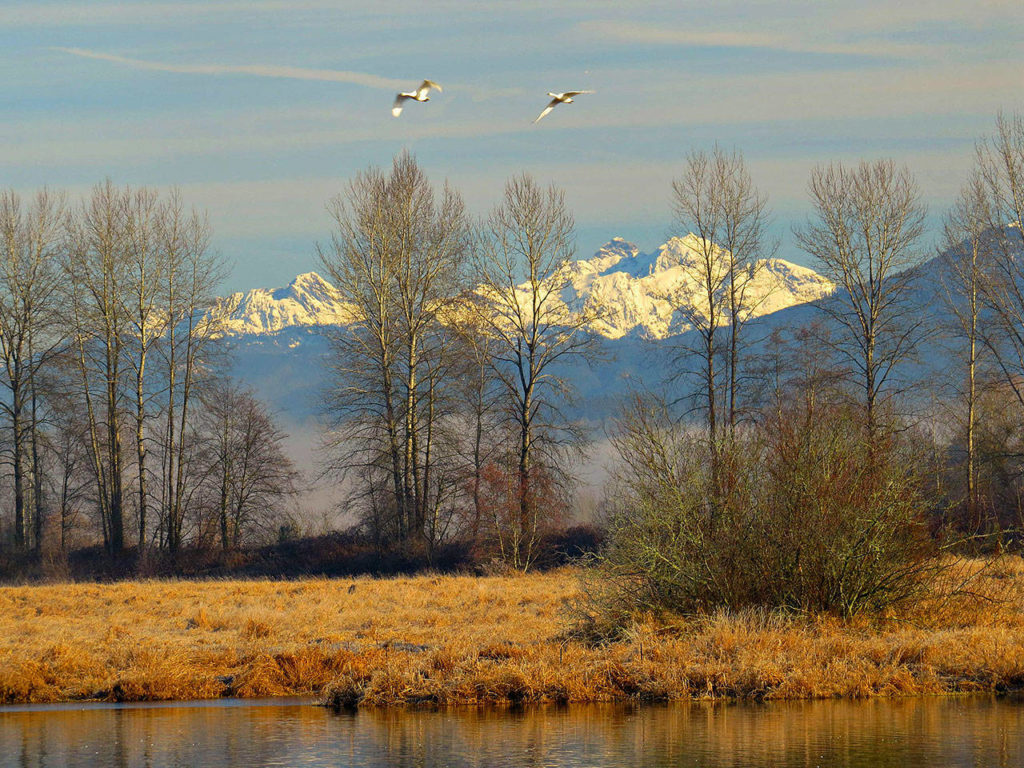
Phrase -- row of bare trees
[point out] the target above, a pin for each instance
(984, 279)
(116, 411)
(447, 406)
(446, 411)
(865, 234)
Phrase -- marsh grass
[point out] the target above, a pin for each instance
(441, 640)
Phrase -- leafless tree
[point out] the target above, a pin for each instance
(397, 257)
(1000, 168)
(147, 316)
(67, 474)
(251, 476)
(522, 267)
(96, 269)
(968, 248)
(139, 281)
(478, 393)
(864, 234)
(30, 338)
(716, 200)
(189, 355)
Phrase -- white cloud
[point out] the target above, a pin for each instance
(255, 70)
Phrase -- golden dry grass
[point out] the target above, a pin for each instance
(460, 639)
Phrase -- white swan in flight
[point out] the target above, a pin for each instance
(420, 94)
(559, 98)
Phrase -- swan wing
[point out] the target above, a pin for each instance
(396, 108)
(551, 105)
(425, 87)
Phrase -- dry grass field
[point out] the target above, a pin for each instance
(467, 640)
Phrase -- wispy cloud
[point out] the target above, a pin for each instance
(98, 13)
(254, 70)
(651, 34)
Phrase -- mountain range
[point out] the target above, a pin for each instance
(279, 337)
(631, 294)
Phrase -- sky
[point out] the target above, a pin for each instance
(261, 111)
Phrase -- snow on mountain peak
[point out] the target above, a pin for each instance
(632, 293)
(639, 294)
(307, 300)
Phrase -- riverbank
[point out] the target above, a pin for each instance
(468, 640)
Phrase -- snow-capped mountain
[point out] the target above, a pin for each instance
(280, 348)
(633, 293)
(629, 292)
(308, 300)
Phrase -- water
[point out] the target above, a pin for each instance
(949, 732)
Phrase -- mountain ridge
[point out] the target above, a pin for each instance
(631, 293)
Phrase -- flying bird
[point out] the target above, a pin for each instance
(420, 94)
(559, 98)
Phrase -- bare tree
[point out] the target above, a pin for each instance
(968, 252)
(31, 335)
(147, 316)
(96, 270)
(397, 257)
(867, 224)
(139, 279)
(522, 268)
(67, 473)
(250, 472)
(1000, 167)
(716, 199)
(479, 393)
(189, 355)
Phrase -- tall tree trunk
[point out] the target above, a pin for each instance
(95, 450)
(140, 446)
(114, 450)
(21, 523)
(38, 506)
(169, 452)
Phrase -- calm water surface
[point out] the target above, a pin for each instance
(934, 732)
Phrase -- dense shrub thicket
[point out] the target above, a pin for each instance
(806, 515)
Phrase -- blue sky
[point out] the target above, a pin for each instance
(260, 111)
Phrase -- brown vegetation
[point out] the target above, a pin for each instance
(459, 639)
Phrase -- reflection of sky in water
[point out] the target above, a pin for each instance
(933, 731)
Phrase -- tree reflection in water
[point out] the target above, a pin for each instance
(926, 731)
